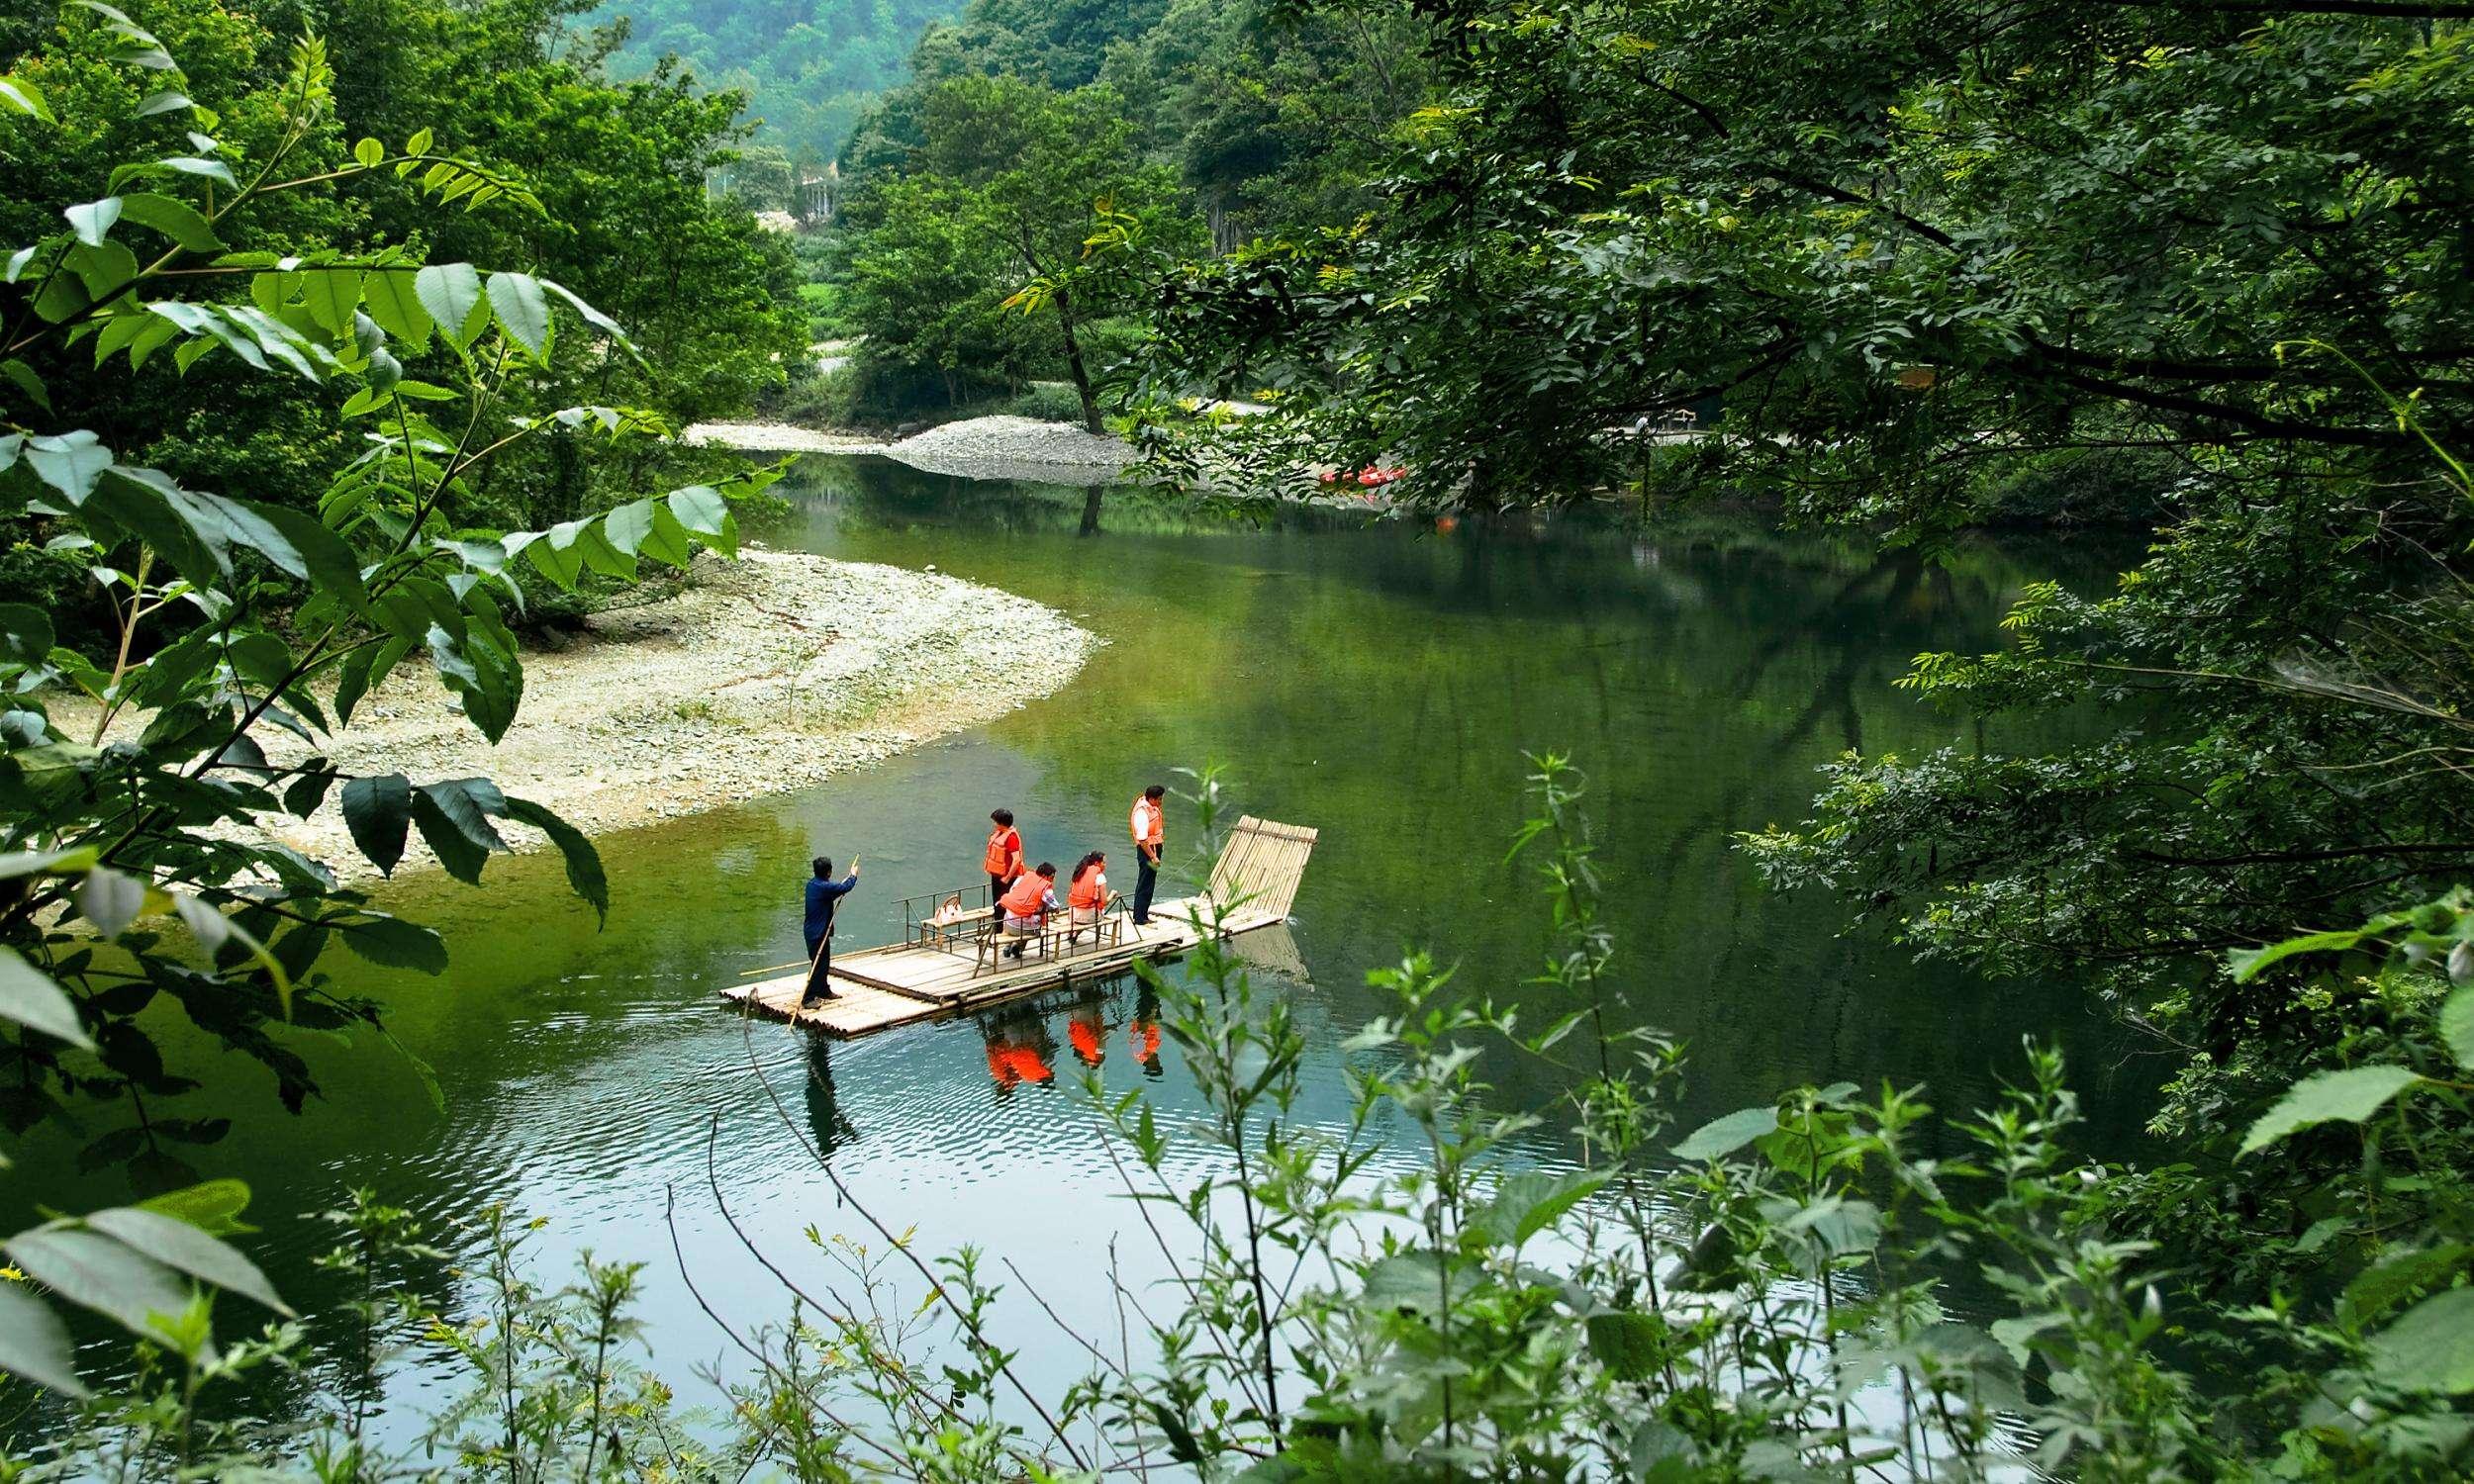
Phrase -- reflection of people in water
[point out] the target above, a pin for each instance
(1088, 1033)
(1142, 1033)
(824, 1105)
(1019, 1048)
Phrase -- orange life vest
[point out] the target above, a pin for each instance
(1090, 890)
(1145, 822)
(1003, 847)
(1024, 900)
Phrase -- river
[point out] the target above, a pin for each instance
(1377, 680)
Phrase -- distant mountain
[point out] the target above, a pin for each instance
(811, 67)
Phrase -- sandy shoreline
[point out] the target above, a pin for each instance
(767, 674)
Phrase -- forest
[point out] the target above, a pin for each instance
(344, 338)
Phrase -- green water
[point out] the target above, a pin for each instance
(1377, 680)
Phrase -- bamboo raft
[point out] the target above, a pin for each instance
(1252, 887)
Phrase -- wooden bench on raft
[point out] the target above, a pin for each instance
(1057, 932)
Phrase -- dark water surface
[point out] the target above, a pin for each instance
(1376, 680)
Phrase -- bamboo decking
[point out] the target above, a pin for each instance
(878, 989)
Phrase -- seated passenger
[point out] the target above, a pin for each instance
(1028, 904)
(1087, 897)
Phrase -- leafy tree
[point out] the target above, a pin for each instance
(1042, 197)
(929, 281)
(131, 882)
(1280, 119)
(1914, 256)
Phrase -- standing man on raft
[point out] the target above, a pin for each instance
(824, 895)
(1145, 824)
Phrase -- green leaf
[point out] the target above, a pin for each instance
(174, 218)
(2431, 1348)
(378, 810)
(369, 152)
(325, 558)
(26, 634)
(2347, 1096)
(2376, 1290)
(21, 96)
(418, 143)
(392, 942)
(69, 462)
(331, 295)
(212, 1206)
(24, 376)
(2456, 1026)
(454, 820)
(592, 316)
(1721, 1137)
(92, 221)
(1529, 1202)
(183, 1247)
(112, 900)
(667, 541)
(211, 169)
(167, 101)
(2249, 963)
(34, 1344)
(523, 312)
(28, 997)
(97, 1273)
(451, 293)
(584, 863)
(624, 528)
(1411, 1280)
(395, 305)
(1626, 1344)
(706, 516)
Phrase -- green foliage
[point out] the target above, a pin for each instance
(809, 69)
(1018, 202)
(1919, 267)
(137, 762)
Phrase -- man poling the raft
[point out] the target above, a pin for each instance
(824, 896)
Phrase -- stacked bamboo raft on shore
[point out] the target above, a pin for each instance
(1252, 887)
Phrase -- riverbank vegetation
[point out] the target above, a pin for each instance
(313, 364)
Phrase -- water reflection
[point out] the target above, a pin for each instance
(830, 1127)
(1378, 680)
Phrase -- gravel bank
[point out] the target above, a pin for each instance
(998, 447)
(778, 437)
(773, 672)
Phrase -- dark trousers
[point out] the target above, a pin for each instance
(996, 897)
(821, 964)
(1146, 881)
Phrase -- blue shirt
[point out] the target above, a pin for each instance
(821, 897)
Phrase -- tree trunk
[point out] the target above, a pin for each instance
(1074, 363)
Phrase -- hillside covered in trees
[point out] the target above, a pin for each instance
(809, 68)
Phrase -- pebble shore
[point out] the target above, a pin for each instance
(767, 673)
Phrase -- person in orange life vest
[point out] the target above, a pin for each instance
(1087, 897)
(1028, 904)
(1145, 824)
(1004, 857)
